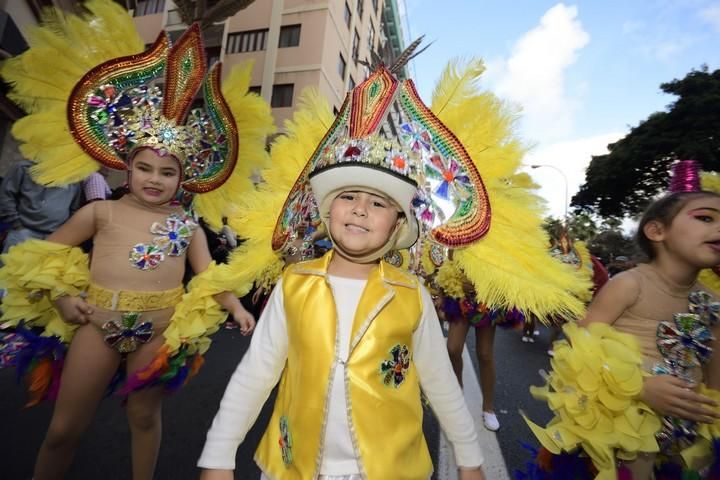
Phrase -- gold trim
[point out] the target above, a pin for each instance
(132, 301)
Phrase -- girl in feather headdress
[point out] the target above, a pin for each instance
(127, 308)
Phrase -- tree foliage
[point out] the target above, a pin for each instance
(638, 165)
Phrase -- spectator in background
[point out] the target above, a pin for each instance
(33, 210)
(95, 186)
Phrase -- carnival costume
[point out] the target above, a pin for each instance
(500, 242)
(597, 378)
(94, 98)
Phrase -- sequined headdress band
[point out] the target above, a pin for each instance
(144, 100)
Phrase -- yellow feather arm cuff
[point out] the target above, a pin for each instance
(36, 272)
(198, 315)
(593, 388)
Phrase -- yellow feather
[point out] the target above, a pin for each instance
(61, 51)
(258, 210)
(510, 266)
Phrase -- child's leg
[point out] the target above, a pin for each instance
(144, 412)
(642, 467)
(485, 338)
(455, 344)
(89, 366)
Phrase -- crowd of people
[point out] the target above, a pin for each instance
(371, 231)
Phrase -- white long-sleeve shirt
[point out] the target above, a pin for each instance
(263, 363)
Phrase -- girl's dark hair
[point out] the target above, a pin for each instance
(664, 210)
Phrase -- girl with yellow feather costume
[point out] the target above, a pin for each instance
(638, 384)
(93, 99)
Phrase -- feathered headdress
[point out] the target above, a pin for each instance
(107, 98)
(470, 163)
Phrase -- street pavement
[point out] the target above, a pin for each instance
(104, 451)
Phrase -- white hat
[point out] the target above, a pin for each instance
(344, 176)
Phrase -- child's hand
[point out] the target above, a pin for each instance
(245, 319)
(672, 396)
(73, 309)
(471, 474)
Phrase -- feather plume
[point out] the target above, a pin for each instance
(406, 55)
(510, 266)
(61, 51)
(258, 210)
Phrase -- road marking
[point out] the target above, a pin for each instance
(494, 465)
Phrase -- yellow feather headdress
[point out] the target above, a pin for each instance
(103, 103)
(506, 260)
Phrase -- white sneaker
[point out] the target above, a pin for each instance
(551, 353)
(536, 333)
(491, 422)
(525, 338)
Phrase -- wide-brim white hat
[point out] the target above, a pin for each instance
(362, 176)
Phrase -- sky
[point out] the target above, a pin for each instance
(582, 72)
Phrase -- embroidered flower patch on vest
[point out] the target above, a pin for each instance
(394, 370)
(285, 441)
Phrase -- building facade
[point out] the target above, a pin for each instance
(294, 44)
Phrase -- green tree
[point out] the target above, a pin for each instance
(610, 244)
(638, 165)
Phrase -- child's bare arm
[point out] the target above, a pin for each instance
(217, 475)
(79, 228)
(613, 299)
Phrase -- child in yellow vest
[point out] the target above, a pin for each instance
(351, 338)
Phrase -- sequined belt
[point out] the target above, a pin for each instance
(130, 301)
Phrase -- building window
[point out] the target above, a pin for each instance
(341, 66)
(149, 7)
(351, 83)
(174, 18)
(360, 8)
(348, 15)
(356, 46)
(250, 41)
(371, 38)
(255, 89)
(289, 36)
(282, 95)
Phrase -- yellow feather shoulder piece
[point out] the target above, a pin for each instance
(61, 51)
(511, 265)
(258, 210)
(254, 123)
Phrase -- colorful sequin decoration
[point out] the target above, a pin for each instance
(126, 334)
(685, 342)
(214, 157)
(685, 346)
(91, 94)
(146, 257)
(186, 67)
(394, 370)
(113, 109)
(285, 441)
(173, 237)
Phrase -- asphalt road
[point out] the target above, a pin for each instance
(105, 450)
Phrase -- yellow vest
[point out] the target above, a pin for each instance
(383, 392)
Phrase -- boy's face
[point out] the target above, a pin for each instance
(362, 222)
(154, 179)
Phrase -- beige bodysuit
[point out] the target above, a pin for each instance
(117, 284)
(658, 299)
